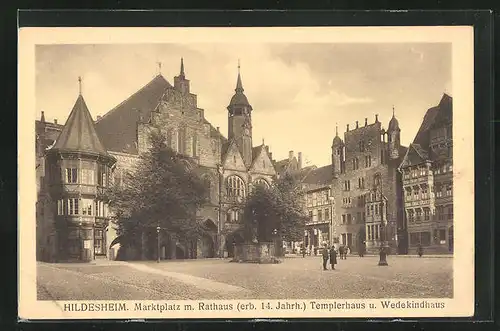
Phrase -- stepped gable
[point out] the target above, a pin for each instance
(79, 134)
(118, 128)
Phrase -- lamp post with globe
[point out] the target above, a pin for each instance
(158, 240)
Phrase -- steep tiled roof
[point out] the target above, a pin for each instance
(320, 176)
(79, 134)
(117, 128)
(281, 166)
(415, 155)
(444, 110)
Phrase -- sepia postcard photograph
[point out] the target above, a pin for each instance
(246, 172)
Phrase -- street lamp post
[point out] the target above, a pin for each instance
(158, 239)
(275, 233)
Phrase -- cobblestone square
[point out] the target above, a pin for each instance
(294, 278)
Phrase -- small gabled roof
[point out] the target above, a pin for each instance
(79, 134)
(414, 155)
(320, 176)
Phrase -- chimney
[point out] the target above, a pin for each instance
(42, 119)
(55, 121)
(366, 121)
(300, 160)
(290, 155)
(376, 118)
(357, 126)
(347, 127)
(99, 117)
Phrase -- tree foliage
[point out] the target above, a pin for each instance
(279, 207)
(160, 191)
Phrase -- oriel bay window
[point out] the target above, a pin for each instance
(86, 205)
(102, 175)
(73, 206)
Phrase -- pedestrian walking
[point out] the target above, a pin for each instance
(347, 251)
(341, 251)
(420, 250)
(333, 257)
(325, 257)
(303, 250)
(362, 249)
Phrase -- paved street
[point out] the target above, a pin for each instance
(296, 277)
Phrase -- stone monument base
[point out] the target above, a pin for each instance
(263, 252)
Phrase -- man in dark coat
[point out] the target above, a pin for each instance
(325, 257)
(341, 251)
(333, 257)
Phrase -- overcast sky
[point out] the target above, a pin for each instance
(298, 91)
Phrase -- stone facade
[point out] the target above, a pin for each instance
(427, 171)
(367, 186)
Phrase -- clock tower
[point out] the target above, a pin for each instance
(240, 121)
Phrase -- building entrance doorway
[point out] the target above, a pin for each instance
(233, 239)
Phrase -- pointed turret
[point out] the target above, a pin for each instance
(240, 121)
(79, 134)
(180, 82)
(337, 153)
(393, 134)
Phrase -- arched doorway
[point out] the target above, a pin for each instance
(232, 240)
(450, 239)
(206, 248)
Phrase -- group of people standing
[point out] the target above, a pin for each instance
(331, 254)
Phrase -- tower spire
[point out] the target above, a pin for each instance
(159, 67)
(393, 111)
(80, 85)
(239, 85)
(182, 67)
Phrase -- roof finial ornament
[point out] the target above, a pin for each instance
(392, 110)
(263, 142)
(80, 85)
(239, 84)
(336, 129)
(159, 67)
(182, 67)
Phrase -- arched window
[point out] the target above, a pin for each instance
(195, 145)
(235, 187)
(181, 140)
(261, 181)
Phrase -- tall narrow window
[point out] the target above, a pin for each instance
(60, 207)
(195, 145)
(327, 215)
(71, 175)
(73, 206)
(320, 216)
(235, 186)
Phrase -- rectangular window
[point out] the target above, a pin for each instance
(439, 191)
(60, 207)
(71, 175)
(87, 176)
(368, 210)
(442, 234)
(73, 206)
(408, 195)
(426, 214)
(102, 176)
(449, 189)
(425, 193)
(87, 206)
(450, 212)
(369, 232)
(440, 212)
(327, 215)
(377, 232)
(320, 215)
(419, 214)
(311, 215)
(364, 217)
(371, 209)
(348, 218)
(415, 194)
(376, 209)
(343, 218)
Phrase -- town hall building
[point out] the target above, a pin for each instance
(77, 161)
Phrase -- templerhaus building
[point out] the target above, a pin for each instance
(77, 160)
(367, 186)
(428, 181)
